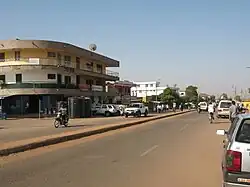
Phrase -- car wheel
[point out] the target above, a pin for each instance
(146, 113)
(107, 114)
(138, 113)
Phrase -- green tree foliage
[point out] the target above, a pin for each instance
(192, 94)
(223, 96)
(169, 95)
(212, 98)
(237, 98)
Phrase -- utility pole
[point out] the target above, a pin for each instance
(234, 90)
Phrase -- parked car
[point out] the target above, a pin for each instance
(223, 108)
(236, 156)
(136, 110)
(108, 110)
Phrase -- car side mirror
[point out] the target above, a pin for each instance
(221, 132)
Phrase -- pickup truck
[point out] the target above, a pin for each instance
(136, 110)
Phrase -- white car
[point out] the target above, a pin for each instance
(203, 106)
(136, 110)
(223, 108)
(107, 110)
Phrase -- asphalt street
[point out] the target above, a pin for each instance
(178, 151)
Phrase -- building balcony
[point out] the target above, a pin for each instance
(39, 85)
(41, 88)
(66, 65)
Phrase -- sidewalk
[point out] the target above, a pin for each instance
(19, 129)
(7, 148)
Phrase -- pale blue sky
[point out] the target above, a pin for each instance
(202, 42)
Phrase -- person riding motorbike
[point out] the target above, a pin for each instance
(211, 110)
(63, 112)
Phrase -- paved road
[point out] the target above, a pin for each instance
(179, 151)
(14, 130)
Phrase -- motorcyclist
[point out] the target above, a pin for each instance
(211, 110)
(63, 112)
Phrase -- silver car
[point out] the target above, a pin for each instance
(236, 156)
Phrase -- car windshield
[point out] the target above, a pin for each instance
(243, 134)
(225, 104)
(203, 104)
(134, 105)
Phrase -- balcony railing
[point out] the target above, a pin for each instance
(39, 85)
(56, 62)
(54, 85)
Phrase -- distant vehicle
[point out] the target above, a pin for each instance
(203, 106)
(108, 110)
(136, 110)
(236, 155)
(223, 108)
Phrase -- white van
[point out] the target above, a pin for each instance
(223, 108)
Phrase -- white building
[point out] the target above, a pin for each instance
(144, 89)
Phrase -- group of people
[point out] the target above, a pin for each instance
(234, 110)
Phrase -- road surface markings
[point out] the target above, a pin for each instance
(184, 127)
(149, 150)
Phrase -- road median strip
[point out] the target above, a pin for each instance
(29, 144)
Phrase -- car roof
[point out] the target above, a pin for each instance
(244, 116)
(228, 101)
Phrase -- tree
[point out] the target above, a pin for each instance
(212, 97)
(224, 96)
(237, 98)
(169, 95)
(192, 94)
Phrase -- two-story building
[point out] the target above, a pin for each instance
(122, 91)
(145, 89)
(37, 73)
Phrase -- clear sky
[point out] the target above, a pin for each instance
(201, 42)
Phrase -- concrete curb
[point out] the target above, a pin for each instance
(63, 138)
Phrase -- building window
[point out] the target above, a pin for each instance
(2, 78)
(140, 91)
(67, 80)
(67, 59)
(17, 55)
(151, 85)
(51, 76)
(52, 54)
(99, 68)
(98, 82)
(2, 57)
(90, 66)
(138, 85)
(78, 61)
(146, 85)
(18, 78)
(89, 82)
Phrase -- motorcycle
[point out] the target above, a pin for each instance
(211, 117)
(59, 121)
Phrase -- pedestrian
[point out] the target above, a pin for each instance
(174, 106)
(233, 111)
